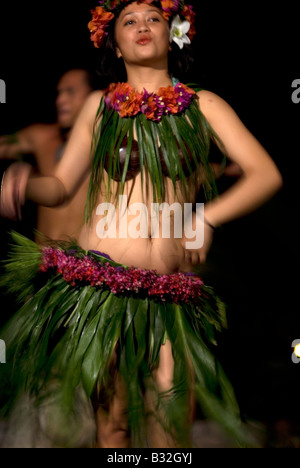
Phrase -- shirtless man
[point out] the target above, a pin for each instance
(47, 142)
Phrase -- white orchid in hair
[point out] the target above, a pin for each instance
(178, 32)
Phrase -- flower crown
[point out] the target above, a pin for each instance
(182, 29)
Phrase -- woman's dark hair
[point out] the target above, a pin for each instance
(111, 69)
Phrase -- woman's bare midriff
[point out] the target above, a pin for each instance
(165, 255)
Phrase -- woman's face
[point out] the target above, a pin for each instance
(142, 35)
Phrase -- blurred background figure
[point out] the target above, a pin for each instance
(43, 146)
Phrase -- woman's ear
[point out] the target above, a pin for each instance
(118, 52)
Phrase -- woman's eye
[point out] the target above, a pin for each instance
(129, 22)
(132, 21)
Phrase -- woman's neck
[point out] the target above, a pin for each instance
(149, 79)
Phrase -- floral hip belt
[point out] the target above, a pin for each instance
(98, 270)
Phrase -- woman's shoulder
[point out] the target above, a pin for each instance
(95, 97)
(91, 105)
(211, 103)
(207, 97)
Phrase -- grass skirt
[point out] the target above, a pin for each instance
(79, 308)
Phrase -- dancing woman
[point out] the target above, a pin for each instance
(121, 316)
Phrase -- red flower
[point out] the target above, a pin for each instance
(190, 16)
(131, 106)
(150, 109)
(167, 6)
(98, 25)
(128, 102)
(168, 99)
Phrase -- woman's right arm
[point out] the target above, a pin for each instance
(19, 183)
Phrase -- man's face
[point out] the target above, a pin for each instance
(72, 91)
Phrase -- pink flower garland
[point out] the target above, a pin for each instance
(169, 100)
(177, 288)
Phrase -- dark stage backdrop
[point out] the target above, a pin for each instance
(249, 56)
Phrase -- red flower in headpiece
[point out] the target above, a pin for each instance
(97, 26)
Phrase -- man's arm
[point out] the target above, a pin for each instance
(17, 144)
(55, 190)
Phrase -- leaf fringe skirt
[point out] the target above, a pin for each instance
(79, 307)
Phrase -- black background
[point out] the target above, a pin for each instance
(248, 54)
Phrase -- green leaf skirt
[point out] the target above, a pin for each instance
(82, 313)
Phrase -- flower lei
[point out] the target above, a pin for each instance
(167, 101)
(103, 14)
(177, 287)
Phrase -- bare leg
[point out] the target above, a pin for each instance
(111, 418)
(163, 375)
(158, 437)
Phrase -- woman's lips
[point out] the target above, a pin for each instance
(144, 40)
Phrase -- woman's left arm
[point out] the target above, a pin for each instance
(260, 178)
